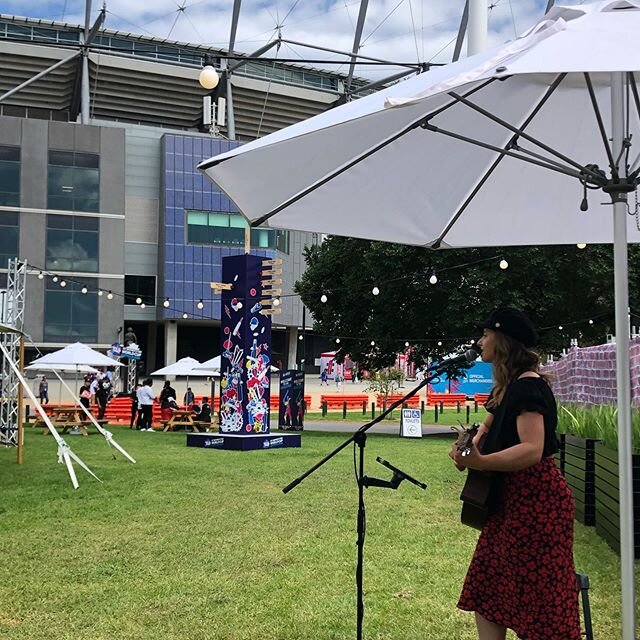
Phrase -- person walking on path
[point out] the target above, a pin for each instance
(522, 575)
(43, 391)
(324, 378)
(145, 405)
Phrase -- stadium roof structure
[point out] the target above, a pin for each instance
(149, 80)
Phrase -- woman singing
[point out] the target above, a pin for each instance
(522, 575)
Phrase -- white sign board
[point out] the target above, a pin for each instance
(411, 423)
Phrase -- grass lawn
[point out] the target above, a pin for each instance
(195, 544)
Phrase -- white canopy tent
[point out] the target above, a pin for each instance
(498, 149)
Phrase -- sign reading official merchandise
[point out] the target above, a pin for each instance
(411, 423)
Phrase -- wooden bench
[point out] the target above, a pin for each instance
(447, 399)
(413, 402)
(481, 398)
(203, 427)
(353, 401)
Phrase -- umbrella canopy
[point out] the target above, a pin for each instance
(76, 354)
(375, 168)
(213, 366)
(499, 149)
(77, 368)
(184, 367)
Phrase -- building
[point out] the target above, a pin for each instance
(107, 207)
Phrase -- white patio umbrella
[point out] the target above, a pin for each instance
(80, 368)
(76, 354)
(188, 367)
(498, 149)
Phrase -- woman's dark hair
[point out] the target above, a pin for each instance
(511, 359)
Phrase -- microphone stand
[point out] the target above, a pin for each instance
(359, 438)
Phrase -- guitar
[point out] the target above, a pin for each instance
(477, 487)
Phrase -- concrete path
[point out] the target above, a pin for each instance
(350, 427)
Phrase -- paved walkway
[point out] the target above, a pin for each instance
(350, 427)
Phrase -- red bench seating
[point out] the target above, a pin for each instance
(447, 399)
(481, 398)
(354, 401)
(413, 402)
(274, 401)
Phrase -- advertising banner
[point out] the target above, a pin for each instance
(291, 410)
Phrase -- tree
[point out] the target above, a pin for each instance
(385, 381)
(556, 285)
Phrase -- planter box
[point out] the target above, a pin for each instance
(577, 462)
(608, 501)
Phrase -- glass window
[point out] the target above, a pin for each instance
(9, 229)
(228, 229)
(10, 176)
(69, 314)
(140, 287)
(72, 243)
(74, 181)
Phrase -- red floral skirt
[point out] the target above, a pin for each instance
(522, 574)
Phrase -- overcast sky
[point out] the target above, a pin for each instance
(395, 30)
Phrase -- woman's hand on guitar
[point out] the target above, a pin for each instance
(472, 460)
(452, 454)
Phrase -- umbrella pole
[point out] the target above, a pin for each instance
(621, 279)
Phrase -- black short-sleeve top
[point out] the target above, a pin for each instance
(523, 394)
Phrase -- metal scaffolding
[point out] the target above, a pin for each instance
(12, 317)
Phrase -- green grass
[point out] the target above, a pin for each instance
(194, 544)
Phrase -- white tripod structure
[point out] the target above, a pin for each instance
(107, 434)
(64, 450)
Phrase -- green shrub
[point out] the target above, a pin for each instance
(599, 422)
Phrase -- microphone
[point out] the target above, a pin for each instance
(468, 356)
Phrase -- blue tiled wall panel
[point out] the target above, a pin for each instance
(189, 269)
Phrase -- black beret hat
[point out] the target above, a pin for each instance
(512, 323)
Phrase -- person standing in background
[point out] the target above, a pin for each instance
(189, 398)
(134, 405)
(43, 391)
(145, 405)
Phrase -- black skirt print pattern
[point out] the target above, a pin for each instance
(522, 574)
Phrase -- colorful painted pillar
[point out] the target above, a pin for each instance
(246, 349)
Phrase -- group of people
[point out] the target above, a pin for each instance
(143, 398)
(98, 386)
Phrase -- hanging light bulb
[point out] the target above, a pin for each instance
(590, 321)
(276, 302)
(55, 278)
(143, 306)
(200, 304)
(323, 298)
(406, 344)
(439, 343)
(433, 279)
(84, 290)
(110, 296)
(300, 337)
(100, 292)
(185, 316)
(41, 276)
(166, 303)
(337, 340)
(375, 291)
(504, 264)
(560, 327)
(138, 300)
(63, 283)
(581, 245)
(373, 343)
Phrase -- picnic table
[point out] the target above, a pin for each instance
(181, 418)
(62, 417)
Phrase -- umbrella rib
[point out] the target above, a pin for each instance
(636, 99)
(520, 132)
(603, 133)
(363, 156)
(485, 145)
(498, 160)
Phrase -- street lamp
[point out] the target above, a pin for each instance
(208, 77)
